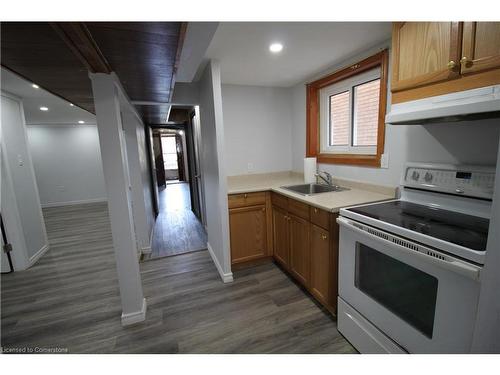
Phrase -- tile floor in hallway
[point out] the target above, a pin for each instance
(70, 300)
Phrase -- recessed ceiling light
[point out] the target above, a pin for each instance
(35, 86)
(276, 47)
(81, 122)
(71, 104)
(44, 109)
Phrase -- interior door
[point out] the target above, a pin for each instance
(192, 169)
(480, 47)
(198, 180)
(152, 170)
(180, 157)
(424, 53)
(158, 157)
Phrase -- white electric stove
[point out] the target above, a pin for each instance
(409, 269)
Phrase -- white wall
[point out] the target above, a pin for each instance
(213, 165)
(20, 200)
(138, 167)
(257, 129)
(487, 329)
(67, 164)
(472, 142)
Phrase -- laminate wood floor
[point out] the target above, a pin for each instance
(70, 300)
(177, 229)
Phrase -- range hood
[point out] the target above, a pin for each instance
(459, 106)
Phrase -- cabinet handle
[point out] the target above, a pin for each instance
(451, 65)
(323, 236)
(465, 61)
(263, 209)
(245, 196)
(315, 210)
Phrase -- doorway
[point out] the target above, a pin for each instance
(179, 225)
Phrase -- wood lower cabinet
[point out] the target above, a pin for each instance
(302, 239)
(250, 226)
(281, 236)
(248, 233)
(324, 258)
(300, 251)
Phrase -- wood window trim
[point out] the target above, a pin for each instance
(313, 111)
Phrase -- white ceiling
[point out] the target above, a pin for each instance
(60, 111)
(309, 48)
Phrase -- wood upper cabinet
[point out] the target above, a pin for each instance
(281, 236)
(248, 229)
(480, 47)
(300, 255)
(437, 58)
(424, 53)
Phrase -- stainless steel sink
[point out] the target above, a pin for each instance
(312, 189)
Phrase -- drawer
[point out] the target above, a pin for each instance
(320, 217)
(279, 200)
(246, 199)
(298, 209)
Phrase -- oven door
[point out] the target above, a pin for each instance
(423, 300)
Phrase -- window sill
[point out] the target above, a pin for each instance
(350, 159)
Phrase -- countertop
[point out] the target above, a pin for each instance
(358, 193)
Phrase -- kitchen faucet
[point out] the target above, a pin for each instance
(327, 178)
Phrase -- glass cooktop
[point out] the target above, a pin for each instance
(464, 230)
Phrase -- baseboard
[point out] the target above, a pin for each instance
(135, 317)
(71, 203)
(34, 258)
(226, 277)
(148, 249)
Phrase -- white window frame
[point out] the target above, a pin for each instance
(324, 105)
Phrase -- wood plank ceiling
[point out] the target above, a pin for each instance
(58, 56)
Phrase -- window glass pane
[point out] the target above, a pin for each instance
(169, 148)
(366, 103)
(406, 291)
(339, 119)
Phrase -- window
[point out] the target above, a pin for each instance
(345, 114)
(169, 149)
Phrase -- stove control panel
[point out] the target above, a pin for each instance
(459, 180)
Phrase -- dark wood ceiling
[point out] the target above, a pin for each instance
(35, 51)
(58, 56)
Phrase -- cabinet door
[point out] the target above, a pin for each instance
(300, 254)
(248, 233)
(280, 236)
(480, 46)
(322, 273)
(424, 53)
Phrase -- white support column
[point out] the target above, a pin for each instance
(114, 160)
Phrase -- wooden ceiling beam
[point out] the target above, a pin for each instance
(82, 44)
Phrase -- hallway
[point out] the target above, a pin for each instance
(177, 229)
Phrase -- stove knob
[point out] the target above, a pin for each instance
(428, 177)
(415, 175)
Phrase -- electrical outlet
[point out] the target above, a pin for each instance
(61, 188)
(250, 167)
(384, 161)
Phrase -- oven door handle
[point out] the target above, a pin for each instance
(455, 265)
